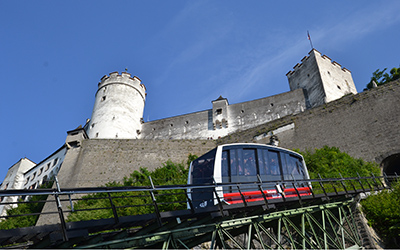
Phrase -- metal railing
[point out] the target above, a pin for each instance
(75, 204)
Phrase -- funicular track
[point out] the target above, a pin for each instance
(325, 219)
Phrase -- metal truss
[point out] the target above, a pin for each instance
(324, 226)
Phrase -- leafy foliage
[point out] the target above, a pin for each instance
(34, 205)
(133, 203)
(330, 161)
(382, 211)
(380, 77)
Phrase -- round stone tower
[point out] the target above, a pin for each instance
(118, 107)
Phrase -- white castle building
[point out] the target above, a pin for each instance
(120, 101)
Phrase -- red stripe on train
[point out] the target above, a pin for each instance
(251, 196)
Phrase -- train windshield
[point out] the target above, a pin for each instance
(293, 168)
(245, 163)
(202, 168)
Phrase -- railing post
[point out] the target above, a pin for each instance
(322, 186)
(344, 186)
(155, 202)
(295, 188)
(359, 180)
(189, 201)
(114, 210)
(262, 191)
(387, 183)
(60, 212)
(221, 209)
(376, 183)
(241, 195)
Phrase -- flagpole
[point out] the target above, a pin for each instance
(309, 38)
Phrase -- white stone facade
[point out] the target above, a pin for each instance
(224, 118)
(323, 80)
(25, 174)
(118, 108)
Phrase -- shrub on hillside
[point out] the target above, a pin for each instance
(382, 211)
(133, 203)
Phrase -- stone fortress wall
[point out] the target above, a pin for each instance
(365, 126)
(224, 119)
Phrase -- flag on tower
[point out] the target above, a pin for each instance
(309, 38)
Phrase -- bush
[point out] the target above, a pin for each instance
(134, 203)
(35, 205)
(382, 211)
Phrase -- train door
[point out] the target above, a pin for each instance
(202, 173)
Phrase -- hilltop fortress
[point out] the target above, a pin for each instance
(120, 100)
(321, 108)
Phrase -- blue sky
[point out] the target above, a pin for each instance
(187, 53)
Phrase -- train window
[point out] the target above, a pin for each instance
(272, 169)
(234, 162)
(202, 168)
(225, 165)
(262, 161)
(293, 168)
(249, 163)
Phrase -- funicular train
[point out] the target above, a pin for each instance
(247, 163)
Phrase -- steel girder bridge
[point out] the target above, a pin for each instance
(326, 219)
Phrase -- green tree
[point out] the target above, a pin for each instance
(380, 77)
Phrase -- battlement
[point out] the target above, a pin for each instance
(123, 78)
(315, 53)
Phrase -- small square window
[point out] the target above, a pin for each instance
(218, 111)
(103, 98)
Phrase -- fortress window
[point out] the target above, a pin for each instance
(272, 104)
(218, 111)
(97, 135)
(171, 125)
(338, 86)
(329, 73)
(103, 98)
(242, 111)
(186, 122)
(308, 75)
